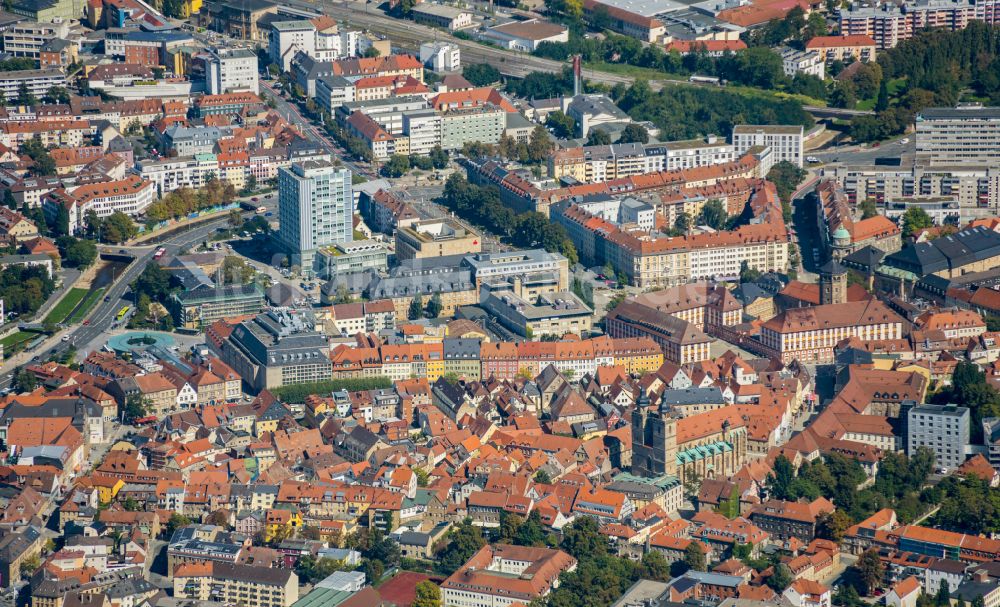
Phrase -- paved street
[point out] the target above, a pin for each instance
(102, 316)
(854, 154)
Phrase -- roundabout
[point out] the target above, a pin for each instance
(137, 341)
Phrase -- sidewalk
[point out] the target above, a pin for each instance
(70, 278)
(186, 223)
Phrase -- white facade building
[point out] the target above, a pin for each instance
(944, 429)
(315, 209)
(288, 38)
(794, 61)
(231, 71)
(441, 56)
(169, 174)
(786, 141)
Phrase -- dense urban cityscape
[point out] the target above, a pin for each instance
(499, 303)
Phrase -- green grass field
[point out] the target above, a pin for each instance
(92, 298)
(66, 305)
(15, 339)
(894, 86)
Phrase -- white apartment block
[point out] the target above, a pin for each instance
(690, 153)
(328, 44)
(944, 429)
(231, 71)
(441, 56)
(484, 124)
(794, 61)
(315, 209)
(888, 25)
(130, 196)
(169, 174)
(423, 127)
(25, 39)
(288, 38)
(333, 92)
(37, 82)
(785, 141)
(966, 136)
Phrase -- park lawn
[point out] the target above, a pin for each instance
(634, 71)
(894, 87)
(92, 298)
(16, 338)
(66, 305)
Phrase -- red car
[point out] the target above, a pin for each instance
(86, 322)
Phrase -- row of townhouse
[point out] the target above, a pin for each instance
(888, 24)
(130, 195)
(169, 174)
(657, 261)
(474, 360)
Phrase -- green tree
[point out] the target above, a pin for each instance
(397, 166)
(56, 94)
(543, 477)
(634, 133)
(713, 214)
(943, 596)
(434, 306)
(868, 208)
(780, 579)
(833, 525)
(136, 406)
(131, 505)
(8, 199)
(439, 157)
(463, 541)
(655, 567)
(153, 281)
(562, 126)
(682, 223)
(481, 74)
(25, 96)
(235, 219)
(540, 145)
(598, 137)
(175, 522)
(694, 556)
(915, 219)
(531, 532)
(786, 177)
(80, 254)
(428, 595)
(882, 103)
(118, 228)
(779, 481)
(24, 381)
(748, 274)
(416, 308)
(869, 570)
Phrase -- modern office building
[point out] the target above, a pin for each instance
(944, 429)
(438, 238)
(966, 136)
(500, 575)
(277, 349)
(240, 584)
(785, 141)
(315, 209)
(231, 71)
(200, 307)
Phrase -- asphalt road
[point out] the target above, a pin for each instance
(866, 155)
(409, 36)
(103, 315)
(312, 132)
